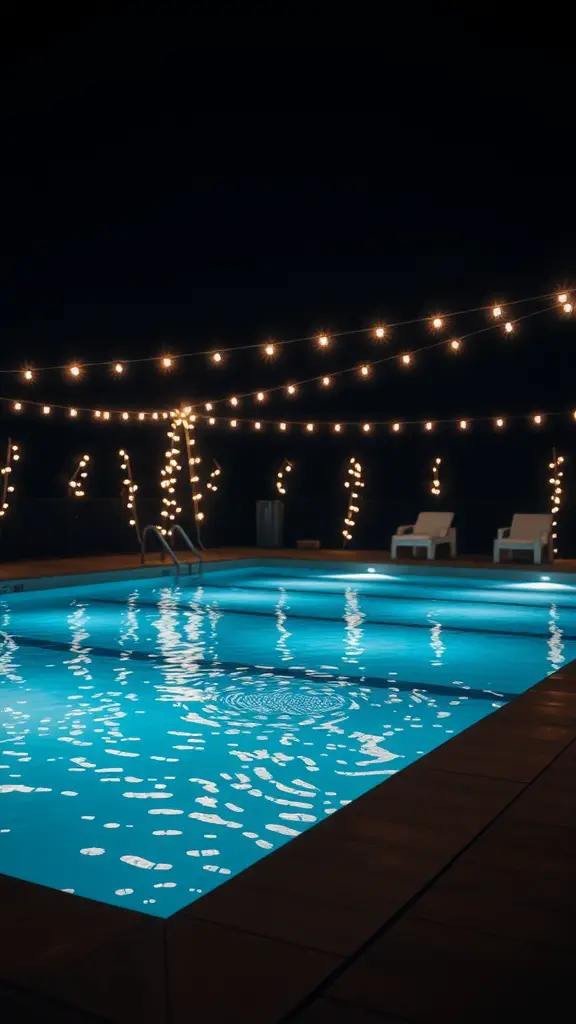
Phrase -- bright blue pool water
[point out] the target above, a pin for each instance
(158, 737)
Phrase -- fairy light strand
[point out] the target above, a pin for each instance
(216, 472)
(168, 480)
(285, 468)
(8, 487)
(436, 485)
(193, 461)
(129, 489)
(322, 341)
(77, 481)
(556, 492)
(353, 484)
(364, 373)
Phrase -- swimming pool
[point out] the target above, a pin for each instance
(157, 736)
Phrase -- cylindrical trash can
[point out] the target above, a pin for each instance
(269, 524)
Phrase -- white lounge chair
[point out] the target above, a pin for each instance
(527, 533)
(429, 530)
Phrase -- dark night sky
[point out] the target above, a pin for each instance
(140, 215)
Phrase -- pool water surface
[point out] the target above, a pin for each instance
(158, 736)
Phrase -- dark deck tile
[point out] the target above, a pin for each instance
(220, 974)
(123, 981)
(499, 748)
(331, 1011)
(423, 971)
(499, 907)
(439, 800)
(25, 1008)
(317, 920)
(43, 930)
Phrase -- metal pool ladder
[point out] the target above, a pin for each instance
(167, 548)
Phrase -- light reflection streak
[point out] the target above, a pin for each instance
(555, 640)
(353, 633)
(282, 647)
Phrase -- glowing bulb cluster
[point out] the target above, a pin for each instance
(210, 485)
(555, 482)
(170, 507)
(187, 422)
(435, 487)
(12, 455)
(353, 484)
(286, 467)
(77, 481)
(129, 492)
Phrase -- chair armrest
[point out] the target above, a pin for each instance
(504, 531)
(405, 529)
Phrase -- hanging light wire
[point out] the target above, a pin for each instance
(168, 362)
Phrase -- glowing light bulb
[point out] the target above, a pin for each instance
(323, 340)
(233, 401)
(17, 406)
(118, 368)
(233, 423)
(537, 420)
(562, 298)
(437, 322)
(217, 358)
(364, 370)
(508, 327)
(141, 415)
(406, 359)
(257, 425)
(337, 428)
(46, 410)
(497, 311)
(455, 344)
(211, 421)
(310, 427)
(379, 332)
(396, 427)
(291, 389)
(260, 396)
(166, 362)
(567, 307)
(105, 415)
(429, 425)
(269, 350)
(326, 381)
(366, 427)
(28, 375)
(282, 426)
(463, 424)
(75, 370)
(154, 415)
(499, 422)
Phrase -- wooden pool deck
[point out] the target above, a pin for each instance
(444, 895)
(131, 560)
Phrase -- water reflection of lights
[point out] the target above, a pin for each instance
(128, 636)
(77, 622)
(8, 649)
(438, 647)
(282, 641)
(555, 640)
(353, 632)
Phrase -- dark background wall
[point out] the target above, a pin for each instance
(486, 477)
